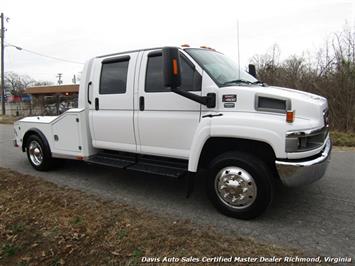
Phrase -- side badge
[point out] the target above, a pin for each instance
(229, 105)
(229, 98)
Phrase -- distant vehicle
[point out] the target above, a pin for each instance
(4, 98)
(13, 99)
(26, 98)
(175, 111)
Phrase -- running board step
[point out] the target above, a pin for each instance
(156, 165)
(160, 166)
(157, 169)
(112, 159)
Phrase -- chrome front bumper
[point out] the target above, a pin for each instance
(301, 172)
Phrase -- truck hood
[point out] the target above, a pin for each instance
(295, 94)
(306, 105)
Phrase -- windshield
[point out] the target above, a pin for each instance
(220, 68)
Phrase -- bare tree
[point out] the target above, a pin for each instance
(268, 64)
(42, 83)
(331, 73)
(16, 83)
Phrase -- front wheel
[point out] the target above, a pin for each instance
(240, 185)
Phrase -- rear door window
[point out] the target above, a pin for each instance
(114, 76)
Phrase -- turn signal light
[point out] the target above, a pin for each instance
(290, 116)
(175, 67)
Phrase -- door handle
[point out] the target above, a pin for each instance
(141, 103)
(96, 104)
(88, 92)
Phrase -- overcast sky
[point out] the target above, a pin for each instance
(79, 30)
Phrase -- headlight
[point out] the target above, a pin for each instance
(298, 141)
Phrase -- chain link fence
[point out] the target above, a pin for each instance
(42, 105)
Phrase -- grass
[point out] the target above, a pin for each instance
(122, 234)
(9, 250)
(343, 139)
(65, 226)
(77, 221)
(17, 228)
(7, 119)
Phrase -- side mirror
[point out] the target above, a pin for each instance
(172, 78)
(252, 70)
(171, 67)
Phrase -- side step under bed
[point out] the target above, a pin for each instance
(142, 163)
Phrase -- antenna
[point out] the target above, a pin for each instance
(238, 49)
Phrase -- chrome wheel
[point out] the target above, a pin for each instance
(235, 187)
(35, 153)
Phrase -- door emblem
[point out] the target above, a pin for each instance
(229, 98)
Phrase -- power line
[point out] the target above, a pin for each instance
(43, 55)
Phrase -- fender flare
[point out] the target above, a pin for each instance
(40, 134)
(204, 135)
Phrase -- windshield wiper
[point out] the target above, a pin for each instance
(259, 82)
(237, 81)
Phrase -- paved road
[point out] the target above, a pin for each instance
(319, 218)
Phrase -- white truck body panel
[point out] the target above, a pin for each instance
(72, 137)
(115, 110)
(169, 121)
(66, 134)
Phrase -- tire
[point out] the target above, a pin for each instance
(38, 154)
(240, 185)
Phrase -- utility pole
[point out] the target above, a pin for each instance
(59, 76)
(2, 65)
(74, 79)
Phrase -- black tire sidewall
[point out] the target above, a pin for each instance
(47, 158)
(261, 175)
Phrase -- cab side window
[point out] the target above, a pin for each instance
(191, 79)
(113, 78)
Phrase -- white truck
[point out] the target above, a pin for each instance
(174, 111)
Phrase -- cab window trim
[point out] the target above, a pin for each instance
(113, 60)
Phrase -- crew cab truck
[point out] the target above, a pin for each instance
(174, 111)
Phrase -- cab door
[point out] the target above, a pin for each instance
(111, 112)
(166, 122)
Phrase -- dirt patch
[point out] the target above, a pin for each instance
(41, 223)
